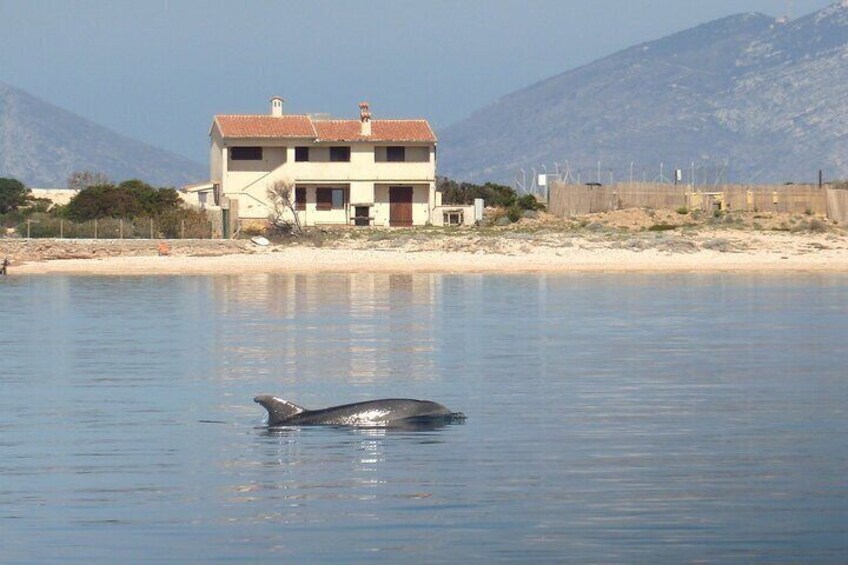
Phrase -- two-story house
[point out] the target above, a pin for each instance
(345, 172)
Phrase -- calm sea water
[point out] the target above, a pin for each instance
(612, 418)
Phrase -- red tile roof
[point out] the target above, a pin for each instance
(293, 126)
(265, 126)
(381, 130)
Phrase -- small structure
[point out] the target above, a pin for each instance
(200, 196)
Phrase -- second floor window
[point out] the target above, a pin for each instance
(340, 154)
(396, 154)
(246, 153)
(301, 154)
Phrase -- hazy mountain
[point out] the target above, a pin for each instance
(769, 99)
(41, 144)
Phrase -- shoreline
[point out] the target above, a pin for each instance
(624, 241)
(300, 260)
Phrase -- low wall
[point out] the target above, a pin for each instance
(574, 199)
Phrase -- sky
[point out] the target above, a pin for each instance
(159, 70)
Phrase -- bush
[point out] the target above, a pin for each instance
(13, 195)
(130, 199)
(683, 210)
(11, 219)
(514, 213)
(495, 195)
(529, 202)
(817, 226)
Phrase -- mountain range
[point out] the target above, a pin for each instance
(746, 98)
(41, 145)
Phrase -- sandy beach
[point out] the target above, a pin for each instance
(301, 260)
(602, 245)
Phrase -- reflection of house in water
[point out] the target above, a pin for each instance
(357, 327)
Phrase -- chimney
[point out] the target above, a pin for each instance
(364, 119)
(277, 106)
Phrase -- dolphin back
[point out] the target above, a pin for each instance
(383, 413)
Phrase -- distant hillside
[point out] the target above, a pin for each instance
(41, 144)
(743, 96)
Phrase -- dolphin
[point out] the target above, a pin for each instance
(403, 413)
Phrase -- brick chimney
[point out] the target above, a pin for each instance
(364, 119)
(277, 106)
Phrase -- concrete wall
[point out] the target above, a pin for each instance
(467, 214)
(215, 158)
(570, 200)
(837, 205)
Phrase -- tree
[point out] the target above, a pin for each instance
(152, 201)
(129, 199)
(13, 195)
(102, 201)
(83, 179)
(465, 193)
(281, 193)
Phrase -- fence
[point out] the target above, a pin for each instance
(574, 199)
(49, 227)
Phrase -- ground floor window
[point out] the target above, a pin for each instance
(330, 198)
(300, 198)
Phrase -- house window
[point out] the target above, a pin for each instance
(330, 198)
(300, 198)
(301, 154)
(246, 153)
(396, 154)
(340, 154)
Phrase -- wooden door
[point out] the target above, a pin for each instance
(400, 206)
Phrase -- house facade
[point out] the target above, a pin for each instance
(342, 172)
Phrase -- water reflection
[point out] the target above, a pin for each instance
(359, 328)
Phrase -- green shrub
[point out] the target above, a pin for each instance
(817, 226)
(529, 202)
(514, 213)
(464, 193)
(13, 195)
(683, 210)
(662, 227)
(130, 199)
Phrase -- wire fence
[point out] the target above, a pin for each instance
(111, 228)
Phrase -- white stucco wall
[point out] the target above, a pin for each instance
(366, 176)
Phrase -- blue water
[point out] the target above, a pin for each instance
(611, 418)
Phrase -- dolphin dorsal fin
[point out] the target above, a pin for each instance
(279, 410)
